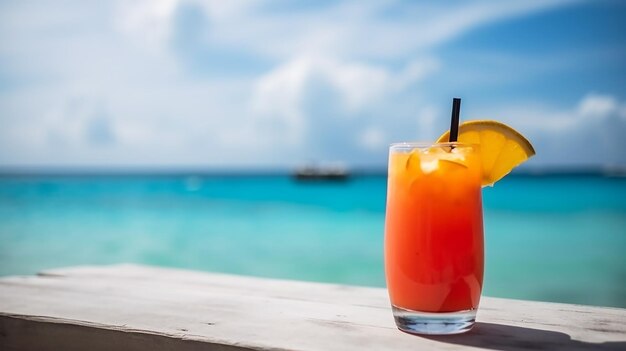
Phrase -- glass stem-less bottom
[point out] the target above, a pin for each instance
(415, 322)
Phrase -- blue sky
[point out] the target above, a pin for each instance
(264, 84)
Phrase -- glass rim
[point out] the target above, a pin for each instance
(426, 144)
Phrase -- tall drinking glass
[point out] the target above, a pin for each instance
(434, 236)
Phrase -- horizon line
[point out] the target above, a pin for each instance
(619, 171)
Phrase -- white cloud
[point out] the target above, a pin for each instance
(588, 132)
(359, 84)
(341, 73)
(343, 29)
(597, 106)
(281, 93)
(346, 90)
(278, 96)
(533, 116)
(151, 21)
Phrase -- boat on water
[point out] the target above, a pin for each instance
(336, 172)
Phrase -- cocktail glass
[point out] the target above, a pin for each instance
(434, 254)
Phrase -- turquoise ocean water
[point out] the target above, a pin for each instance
(552, 238)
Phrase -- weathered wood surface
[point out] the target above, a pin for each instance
(129, 307)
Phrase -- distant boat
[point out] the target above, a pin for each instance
(335, 172)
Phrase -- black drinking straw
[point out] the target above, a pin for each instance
(454, 123)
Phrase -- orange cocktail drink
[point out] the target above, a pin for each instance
(434, 236)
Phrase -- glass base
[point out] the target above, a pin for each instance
(415, 322)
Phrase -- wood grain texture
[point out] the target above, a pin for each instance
(130, 307)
